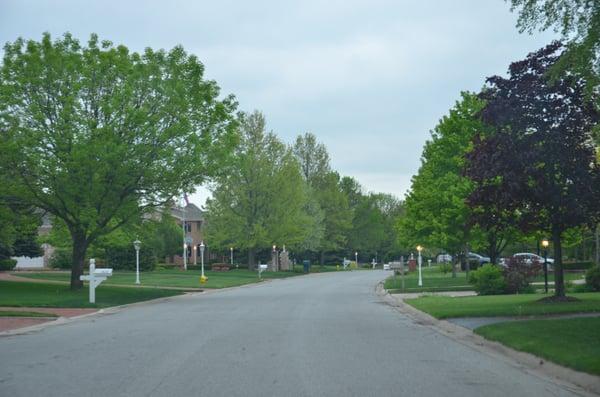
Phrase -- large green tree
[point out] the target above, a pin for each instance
(324, 187)
(96, 135)
(261, 199)
(436, 214)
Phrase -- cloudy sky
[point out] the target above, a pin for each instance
(369, 78)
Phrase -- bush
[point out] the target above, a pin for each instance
(445, 268)
(592, 278)
(488, 280)
(7, 264)
(518, 274)
(61, 259)
(124, 259)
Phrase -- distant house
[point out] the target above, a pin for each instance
(193, 218)
(24, 262)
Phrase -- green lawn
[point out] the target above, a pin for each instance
(433, 280)
(573, 342)
(23, 294)
(502, 305)
(172, 278)
(570, 276)
(10, 313)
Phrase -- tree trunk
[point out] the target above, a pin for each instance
(598, 244)
(78, 259)
(251, 254)
(322, 259)
(559, 281)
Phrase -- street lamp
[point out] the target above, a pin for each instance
(195, 256)
(419, 248)
(356, 258)
(231, 255)
(545, 244)
(137, 244)
(274, 258)
(202, 258)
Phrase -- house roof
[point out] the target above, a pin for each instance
(192, 213)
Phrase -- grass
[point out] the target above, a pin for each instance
(503, 305)
(570, 276)
(573, 342)
(433, 280)
(24, 294)
(9, 313)
(172, 278)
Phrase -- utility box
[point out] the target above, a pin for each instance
(306, 265)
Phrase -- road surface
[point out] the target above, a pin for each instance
(319, 335)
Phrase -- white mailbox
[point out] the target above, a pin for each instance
(103, 272)
(261, 268)
(95, 277)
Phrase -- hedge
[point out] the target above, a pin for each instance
(7, 264)
(124, 259)
(577, 265)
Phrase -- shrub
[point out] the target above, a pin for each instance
(61, 259)
(124, 259)
(7, 264)
(518, 274)
(592, 278)
(488, 280)
(445, 268)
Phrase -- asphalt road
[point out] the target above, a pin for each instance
(320, 335)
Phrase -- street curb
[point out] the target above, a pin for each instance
(575, 381)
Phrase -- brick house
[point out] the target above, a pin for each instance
(193, 217)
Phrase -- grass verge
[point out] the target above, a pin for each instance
(573, 342)
(24, 294)
(502, 305)
(172, 278)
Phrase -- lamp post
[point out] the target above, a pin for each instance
(195, 255)
(184, 256)
(274, 257)
(231, 255)
(545, 244)
(419, 248)
(137, 244)
(202, 258)
(356, 258)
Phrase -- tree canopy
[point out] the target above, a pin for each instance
(261, 200)
(97, 135)
(539, 164)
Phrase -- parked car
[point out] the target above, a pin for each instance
(386, 266)
(529, 258)
(443, 258)
(478, 258)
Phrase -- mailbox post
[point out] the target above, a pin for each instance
(95, 277)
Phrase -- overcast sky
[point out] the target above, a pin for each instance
(369, 78)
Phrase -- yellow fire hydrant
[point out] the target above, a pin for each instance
(203, 279)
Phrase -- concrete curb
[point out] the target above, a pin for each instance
(576, 382)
